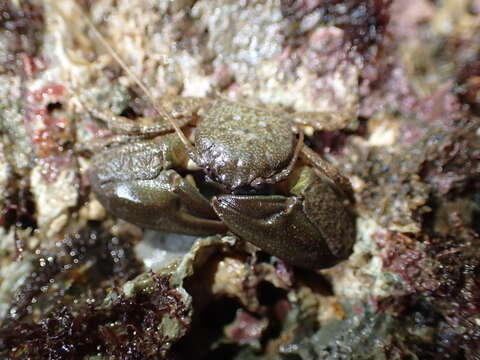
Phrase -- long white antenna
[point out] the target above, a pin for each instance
(160, 110)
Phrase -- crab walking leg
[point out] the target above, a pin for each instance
(98, 144)
(322, 121)
(183, 109)
(311, 229)
(328, 172)
(164, 114)
(143, 125)
(325, 121)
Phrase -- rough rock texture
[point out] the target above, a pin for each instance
(78, 283)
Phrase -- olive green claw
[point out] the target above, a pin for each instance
(168, 203)
(313, 229)
(140, 188)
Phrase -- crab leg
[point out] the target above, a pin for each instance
(322, 121)
(143, 125)
(328, 172)
(194, 155)
(181, 108)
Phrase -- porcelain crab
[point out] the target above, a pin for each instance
(208, 166)
(212, 166)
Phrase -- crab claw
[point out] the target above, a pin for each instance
(167, 202)
(134, 182)
(308, 232)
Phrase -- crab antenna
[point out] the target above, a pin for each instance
(161, 111)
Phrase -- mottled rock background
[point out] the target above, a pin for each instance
(77, 283)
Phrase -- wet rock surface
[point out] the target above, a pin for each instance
(78, 283)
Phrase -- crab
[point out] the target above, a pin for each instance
(209, 166)
(228, 167)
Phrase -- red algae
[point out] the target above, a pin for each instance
(408, 69)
